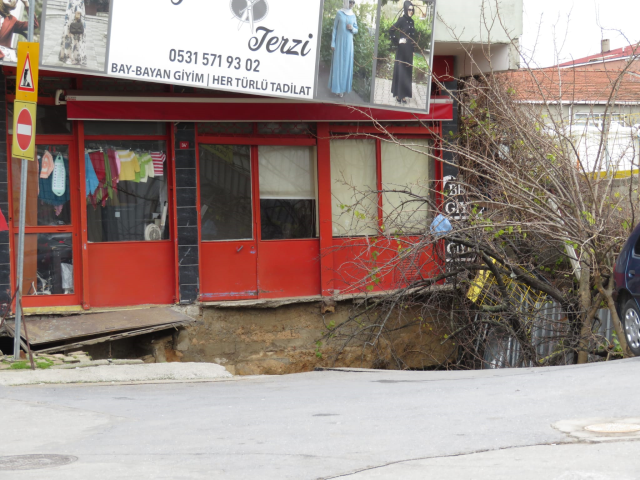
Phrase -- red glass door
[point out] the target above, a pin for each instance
(52, 257)
(228, 248)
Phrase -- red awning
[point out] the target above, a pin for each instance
(191, 109)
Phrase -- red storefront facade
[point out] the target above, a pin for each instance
(241, 204)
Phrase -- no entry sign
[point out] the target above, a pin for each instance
(24, 130)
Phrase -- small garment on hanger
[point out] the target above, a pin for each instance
(59, 180)
(45, 187)
(47, 165)
(158, 163)
(97, 160)
(114, 163)
(109, 183)
(91, 180)
(146, 167)
(129, 166)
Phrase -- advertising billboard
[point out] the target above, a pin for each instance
(352, 52)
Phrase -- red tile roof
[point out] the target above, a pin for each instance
(572, 85)
(618, 53)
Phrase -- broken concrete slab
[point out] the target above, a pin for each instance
(92, 363)
(55, 328)
(125, 362)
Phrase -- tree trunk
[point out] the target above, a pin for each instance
(617, 324)
(584, 291)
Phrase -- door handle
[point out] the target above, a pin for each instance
(239, 248)
(631, 273)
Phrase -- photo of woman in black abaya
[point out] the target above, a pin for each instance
(402, 36)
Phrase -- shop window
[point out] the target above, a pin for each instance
(127, 199)
(125, 128)
(48, 190)
(48, 264)
(406, 165)
(225, 192)
(50, 120)
(288, 192)
(353, 187)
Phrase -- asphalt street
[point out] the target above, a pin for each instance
(334, 424)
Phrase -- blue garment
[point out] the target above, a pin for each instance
(91, 179)
(341, 78)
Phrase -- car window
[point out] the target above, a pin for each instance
(636, 248)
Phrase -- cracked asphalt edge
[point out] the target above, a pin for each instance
(572, 441)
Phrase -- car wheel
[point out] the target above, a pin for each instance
(631, 323)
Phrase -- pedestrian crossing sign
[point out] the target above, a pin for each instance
(27, 80)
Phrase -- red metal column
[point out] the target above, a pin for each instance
(325, 217)
(86, 299)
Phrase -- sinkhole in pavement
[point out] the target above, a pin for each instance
(35, 462)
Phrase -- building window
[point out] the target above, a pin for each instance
(127, 195)
(225, 192)
(406, 166)
(360, 193)
(353, 187)
(48, 264)
(288, 192)
(46, 205)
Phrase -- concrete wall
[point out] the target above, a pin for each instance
(479, 34)
(282, 340)
(472, 21)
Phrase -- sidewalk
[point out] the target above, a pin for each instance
(102, 373)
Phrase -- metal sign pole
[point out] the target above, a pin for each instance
(23, 207)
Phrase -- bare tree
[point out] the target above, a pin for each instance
(542, 215)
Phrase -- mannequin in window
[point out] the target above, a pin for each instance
(403, 37)
(73, 44)
(345, 27)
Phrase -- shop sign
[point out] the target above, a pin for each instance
(362, 53)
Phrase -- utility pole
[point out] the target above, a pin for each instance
(21, 227)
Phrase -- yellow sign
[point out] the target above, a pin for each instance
(24, 130)
(27, 71)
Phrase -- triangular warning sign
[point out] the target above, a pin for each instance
(26, 78)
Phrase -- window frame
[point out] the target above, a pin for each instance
(403, 132)
(253, 140)
(166, 138)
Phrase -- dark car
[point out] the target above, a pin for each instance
(627, 289)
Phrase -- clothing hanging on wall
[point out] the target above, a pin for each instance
(45, 186)
(91, 180)
(58, 182)
(129, 166)
(158, 163)
(146, 166)
(47, 165)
